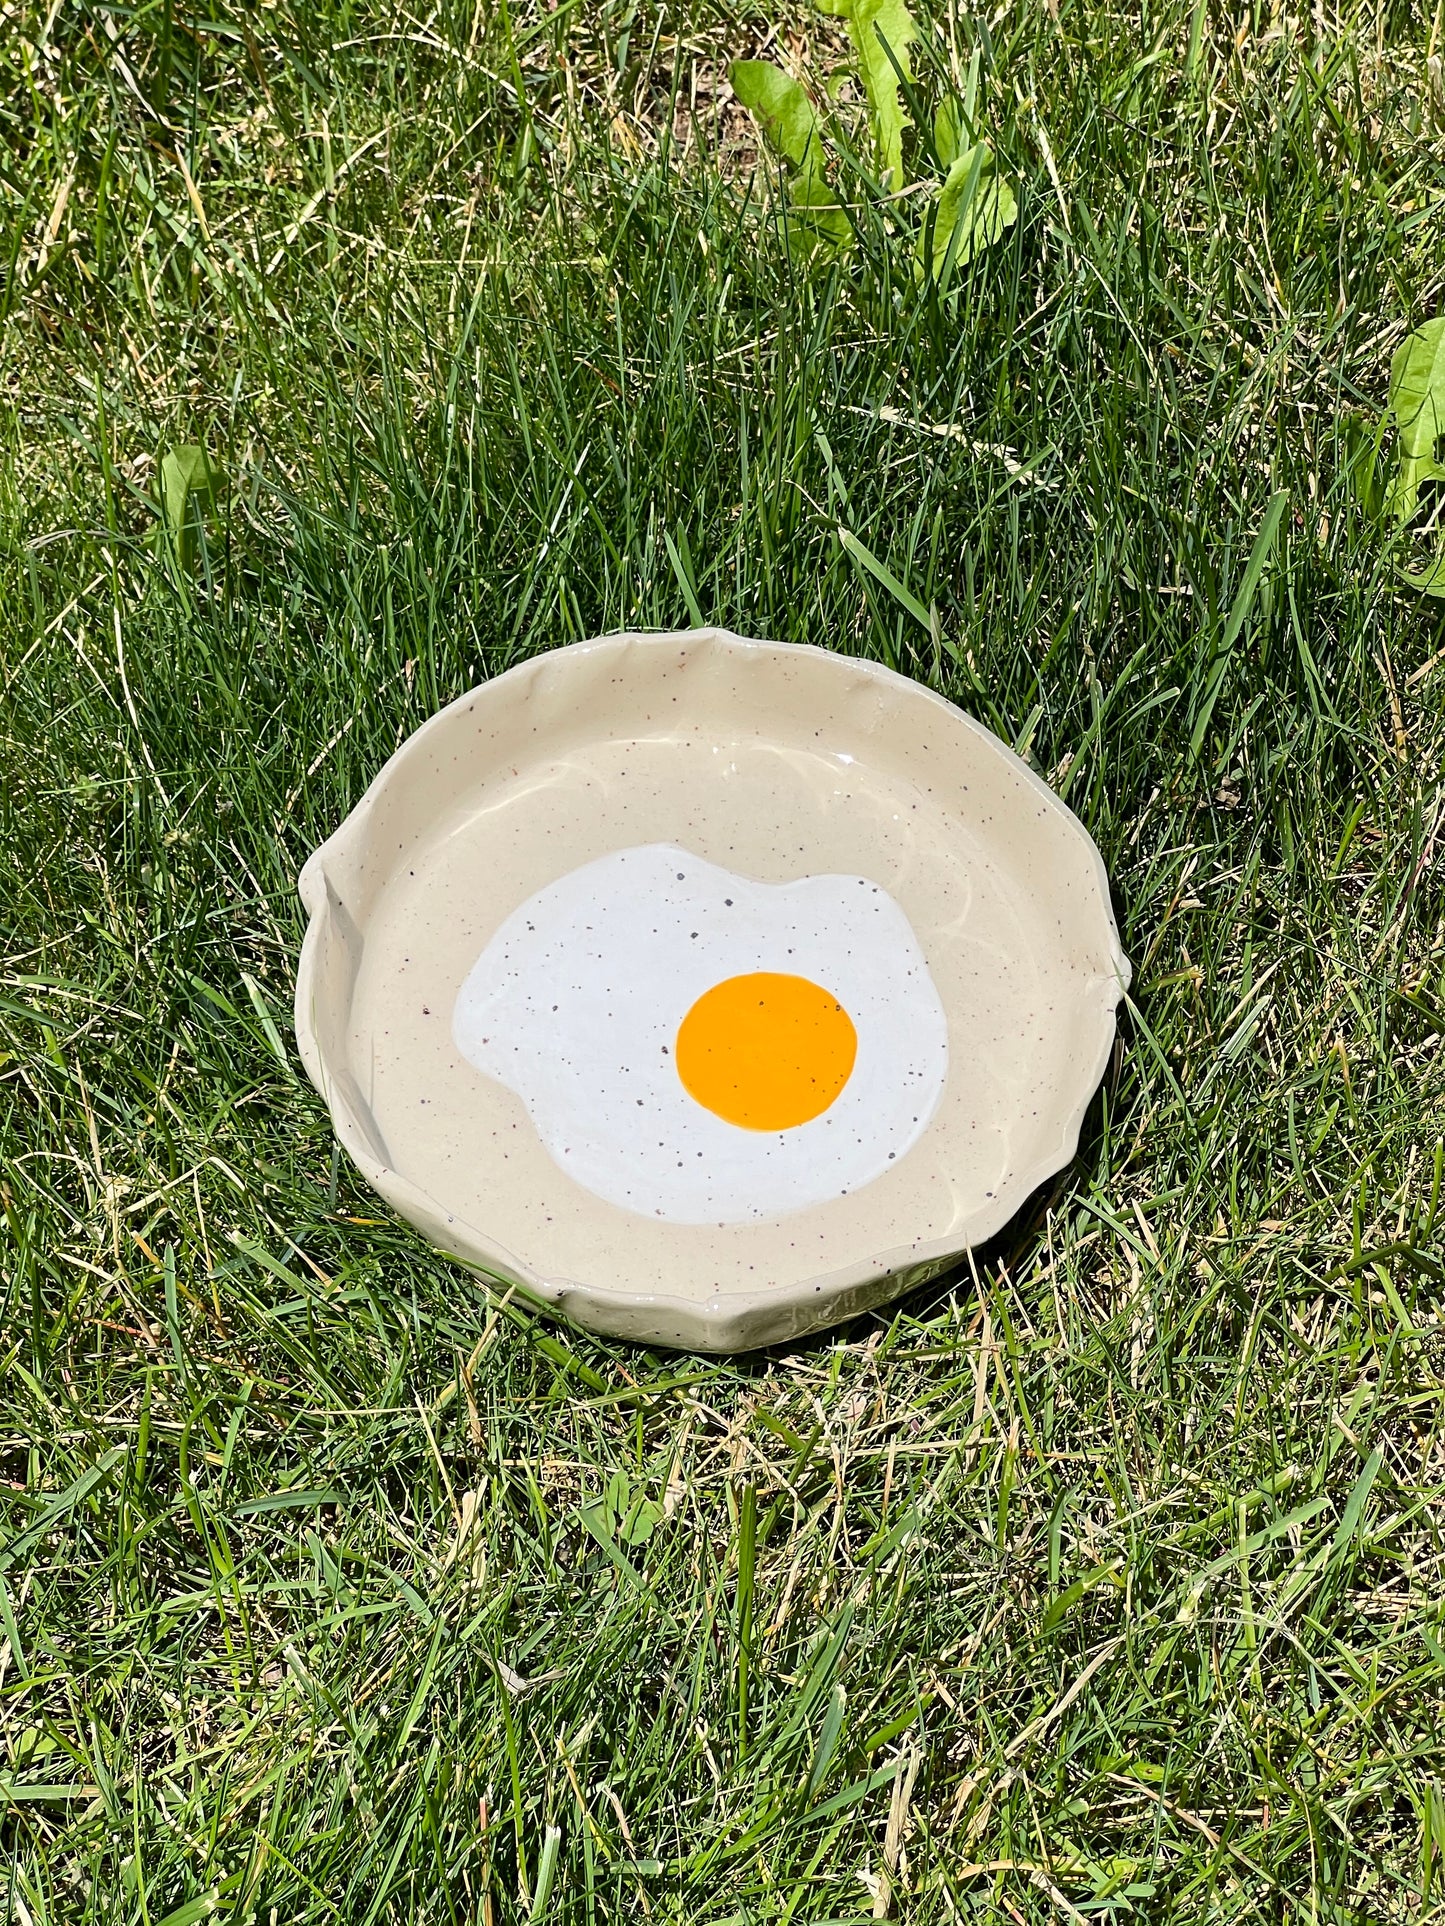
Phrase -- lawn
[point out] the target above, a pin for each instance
(1104, 1579)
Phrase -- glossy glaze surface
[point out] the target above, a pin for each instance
(609, 1004)
(800, 773)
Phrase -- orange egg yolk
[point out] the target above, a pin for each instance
(766, 1051)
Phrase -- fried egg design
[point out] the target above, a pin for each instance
(705, 1049)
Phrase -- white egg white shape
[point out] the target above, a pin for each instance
(576, 1002)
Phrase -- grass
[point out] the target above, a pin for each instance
(1103, 1581)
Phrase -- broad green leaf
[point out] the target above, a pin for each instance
(785, 116)
(1417, 388)
(185, 472)
(595, 1520)
(819, 224)
(617, 1497)
(782, 110)
(974, 208)
(1402, 499)
(643, 1517)
(188, 474)
(871, 23)
(1417, 401)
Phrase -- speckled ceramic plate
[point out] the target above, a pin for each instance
(707, 990)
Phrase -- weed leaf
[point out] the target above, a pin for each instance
(973, 210)
(819, 223)
(1417, 400)
(878, 29)
(188, 474)
(789, 125)
(782, 110)
(643, 1517)
(948, 138)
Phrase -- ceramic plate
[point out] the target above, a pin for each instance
(707, 990)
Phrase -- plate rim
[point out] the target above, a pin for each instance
(736, 1320)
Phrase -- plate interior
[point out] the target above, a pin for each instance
(775, 765)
